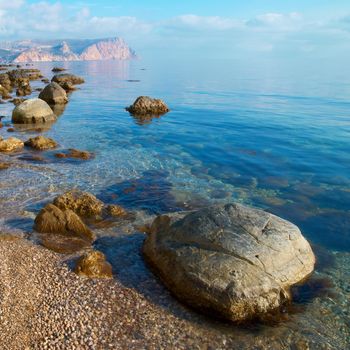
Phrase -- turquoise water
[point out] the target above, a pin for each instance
(271, 136)
(267, 136)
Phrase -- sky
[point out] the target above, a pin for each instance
(221, 28)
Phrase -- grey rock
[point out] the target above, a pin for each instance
(33, 111)
(229, 260)
(53, 94)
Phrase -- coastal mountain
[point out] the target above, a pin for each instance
(67, 50)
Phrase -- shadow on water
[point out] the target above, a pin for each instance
(151, 192)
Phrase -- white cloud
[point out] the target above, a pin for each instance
(264, 33)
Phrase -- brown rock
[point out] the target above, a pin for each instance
(52, 219)
(82, 203)
(94, 265)
(69, 78)
(11, 144)
(41, 143)
(54, 94)
(116, 210)
(145, 105)
(58, 69)
(74, 153)
(10, 130)
(4, 166)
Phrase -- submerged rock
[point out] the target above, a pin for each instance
(11, 144)
(229, 260)
(74, 153)
(145, 105)
(54, 94)
(94, 265)
(52, 219)
(33, 111)
(41, 143)
(82, 203)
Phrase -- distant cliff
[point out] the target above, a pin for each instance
(68, 50)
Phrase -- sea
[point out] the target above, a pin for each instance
(271, 135)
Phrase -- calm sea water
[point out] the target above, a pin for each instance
(275, 137)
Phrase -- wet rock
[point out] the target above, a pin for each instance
(33, 111)
(23, 87)
(82, 203)
(4, 165)
(115, 210)
(63, 244)
(52, 219)
(10, 130)
(74, 153)
(145, 105)
(229, 260)
(54, 94)
(94, 265)
(11, 144)
(41, 143)
(67, 78)
(45, 80)
(67, 86)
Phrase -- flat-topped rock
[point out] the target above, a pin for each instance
(67, 78)
(33, 111)
(145, 105)
(53, 94)
(229, 260)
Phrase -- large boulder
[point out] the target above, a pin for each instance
(53, 220)
(41, 143)
(33, 111)
(53, 94)
(229, 260)
(67, 78)
(82, 203)
(145, 105)
(94, 265)
(11, 144)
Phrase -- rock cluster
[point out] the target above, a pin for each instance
(229, 260)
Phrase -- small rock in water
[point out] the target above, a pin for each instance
(11, 144)
(116, 210)
(82, 203)
(74, 153)
(54, 94)
(58, 69)
(94, 265)
(10, 130)
(41, 143)
(145, 105)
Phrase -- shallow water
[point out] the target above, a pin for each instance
(271, 136)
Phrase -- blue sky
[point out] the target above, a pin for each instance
(223, 28)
